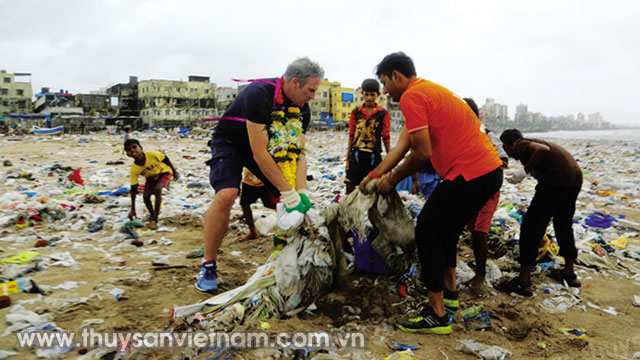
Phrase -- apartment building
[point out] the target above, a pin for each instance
(15, 93)
(321, 105)
(225, 96)
(177, 103)
(94, 104)
(124, 97)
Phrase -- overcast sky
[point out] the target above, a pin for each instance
(558, 57)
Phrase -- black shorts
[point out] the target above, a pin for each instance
(227, 161)
(251, 194)
(360, 164)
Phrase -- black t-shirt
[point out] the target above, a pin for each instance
(254, 103)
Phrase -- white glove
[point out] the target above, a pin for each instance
(292, 201)
(288, 220)
(516, 176)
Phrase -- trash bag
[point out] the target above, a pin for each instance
(367, 213)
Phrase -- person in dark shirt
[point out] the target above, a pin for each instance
(240, 140)
(559, 182)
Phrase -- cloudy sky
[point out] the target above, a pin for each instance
(558, 57)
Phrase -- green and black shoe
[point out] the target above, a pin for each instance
(450, 298)
(426, 322)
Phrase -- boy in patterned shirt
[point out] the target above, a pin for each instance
(369, 127)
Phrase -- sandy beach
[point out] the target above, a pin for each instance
(102, 280)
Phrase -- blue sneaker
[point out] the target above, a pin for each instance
(208, 279)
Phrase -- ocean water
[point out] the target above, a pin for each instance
(630, 135)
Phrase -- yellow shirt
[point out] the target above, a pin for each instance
(153, 166)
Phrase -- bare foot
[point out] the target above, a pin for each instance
(249, 236)
(152, 224)
(476, 283)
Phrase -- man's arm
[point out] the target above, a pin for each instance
(420, 143)
(386, 131)
(173, 169)
(394, 155)
(415, 188)
(259, 140)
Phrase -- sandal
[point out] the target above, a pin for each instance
(561, 277)
(514, 285)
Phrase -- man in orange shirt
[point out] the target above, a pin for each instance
(439, 126)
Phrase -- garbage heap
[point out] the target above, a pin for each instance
(312, 261)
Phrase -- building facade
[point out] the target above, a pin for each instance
(342, 103)
(493, 113)
(56, 103)
(95, 104)
(321, 104)
(225, 97)
(124, 97)
(177, 103)
(15, 93)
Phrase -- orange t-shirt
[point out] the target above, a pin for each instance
(459, 144)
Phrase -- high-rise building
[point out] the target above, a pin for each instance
(492, 112)
(15, 93)
(521, 113)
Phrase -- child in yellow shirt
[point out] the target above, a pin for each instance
(157, 170)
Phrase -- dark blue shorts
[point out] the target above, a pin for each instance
(227, 161)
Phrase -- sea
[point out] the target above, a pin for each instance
(629, 135)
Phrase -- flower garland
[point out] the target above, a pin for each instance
(284, 131)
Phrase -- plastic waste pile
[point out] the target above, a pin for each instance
(289, 281)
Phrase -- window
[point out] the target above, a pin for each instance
(7, 80)
(167, 112)
(324, 94)
(166, 89)
(20, 92)
(21, 104)
(5, 103)
(193, 89)
(4, 91)
(323, 104)
(206, 91)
